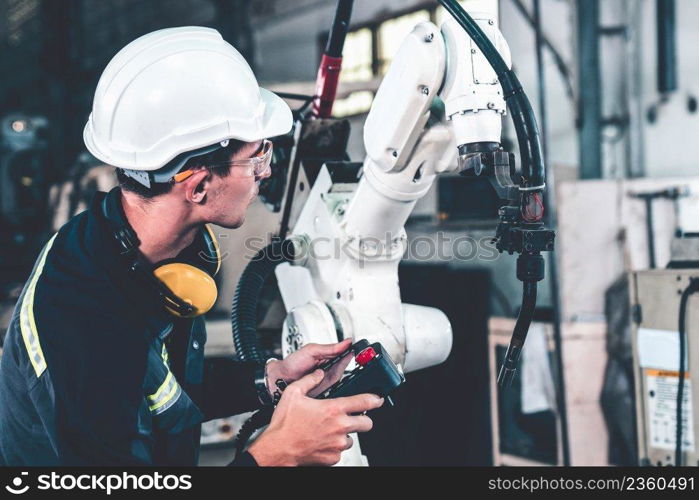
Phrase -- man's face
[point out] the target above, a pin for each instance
(230, 196)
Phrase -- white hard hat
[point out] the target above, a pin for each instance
(175, 91)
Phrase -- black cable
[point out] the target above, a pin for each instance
(533, 169)
(291, 189)
(649, 232)
(693, 287)
(336, 40)
(524, 320)
(247, 295)
(299, 113)
(530, 268)
(295, 97)
(256, 421)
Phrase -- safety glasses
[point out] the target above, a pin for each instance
(259, 164)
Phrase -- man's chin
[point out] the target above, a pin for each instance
(230, 224)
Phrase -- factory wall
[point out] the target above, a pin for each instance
(671, 146)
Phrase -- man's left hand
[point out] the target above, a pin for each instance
(307, 359)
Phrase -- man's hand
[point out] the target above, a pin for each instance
(309, 357)
(307, 431)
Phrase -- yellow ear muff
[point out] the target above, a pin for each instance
(190, 284)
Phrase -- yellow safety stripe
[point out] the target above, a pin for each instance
(164, 354)
(27, 322)
(168, 392)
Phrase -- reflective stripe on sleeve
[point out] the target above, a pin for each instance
(169, 391)
(27, 323)
(164, 355)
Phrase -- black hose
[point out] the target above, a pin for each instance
(524, 319)
(336, 40)
(533, 170)
(247, 295)
(295, 97)
(256, 421)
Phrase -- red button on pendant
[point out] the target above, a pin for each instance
(365, 356)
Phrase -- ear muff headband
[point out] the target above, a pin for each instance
(186, 290)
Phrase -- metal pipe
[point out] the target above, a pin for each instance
(633, 83)
(590, 90)
(667, 46)
(649, 231)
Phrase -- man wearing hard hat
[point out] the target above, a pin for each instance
(103, 361)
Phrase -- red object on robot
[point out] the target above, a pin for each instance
(365, 356)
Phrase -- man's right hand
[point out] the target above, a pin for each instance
(308, 431)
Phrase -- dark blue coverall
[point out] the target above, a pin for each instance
(95, 371)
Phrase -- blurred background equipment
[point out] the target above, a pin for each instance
(25, 168)
(664, 352)
(24, 165)
(672, 194)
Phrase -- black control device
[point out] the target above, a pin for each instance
(376, 373)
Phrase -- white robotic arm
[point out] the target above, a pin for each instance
(353, 232)
(438, 109)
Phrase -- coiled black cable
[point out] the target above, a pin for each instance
(244, 321)
(247, 295)
(258, 420)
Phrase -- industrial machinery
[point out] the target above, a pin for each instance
(665, 348)
(439, 109)
(664, 308)
(24, 181)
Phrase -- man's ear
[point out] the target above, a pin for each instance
(197, 186)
